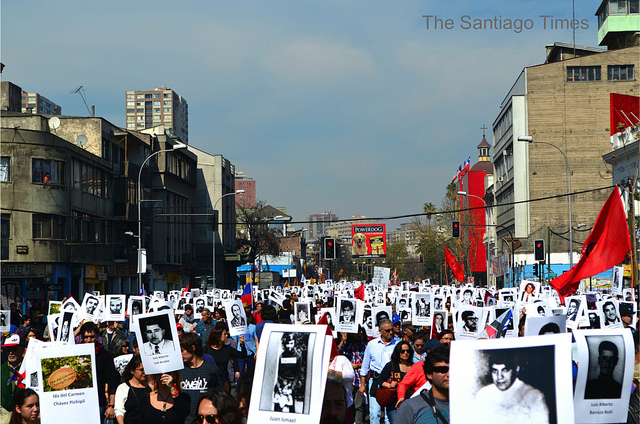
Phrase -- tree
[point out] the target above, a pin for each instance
(397, 256)
(254, 236)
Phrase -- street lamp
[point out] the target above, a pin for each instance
(174, 147)
(213, 235)
(529, 139)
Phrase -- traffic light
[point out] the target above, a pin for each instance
(421, 258)
(538, 250)
(369, 269)
(536, 270)
(359, 266)
(329, 248)
(455, 229)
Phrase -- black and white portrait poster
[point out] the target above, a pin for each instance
(576, 306)
(236, 317)
(603, 385)
(347, 315)
(609, 313)
(506, 295)
(292, 366)
(199, 303)
(470, 323)
(135, 306)
(439, 322)
(330, 315)
(515, 380)
(528, 291)
(91, 305)
(160, 305)
(53, 322)
(5, 321)
(627, 295)
(616, 280)
(301, 312)
(70, 305)
(115, 307)
(158, 294)
(158, 341)
(421, 309)
(67, 384)
(403, 301)
(65, 329)
(368, 322)
(379, 313)
(538, 325)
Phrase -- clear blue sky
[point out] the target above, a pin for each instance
(351, 106)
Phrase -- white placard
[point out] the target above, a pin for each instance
(603, 386)
(115, 307)
(421, 309)
(91, 306)
(347, 314)
(616, 280)
(539, 326)
(381, 275)
(236, 318)
(5, 321)
(301, 311)
(514, 380)
(293, 364)
(158, 341)
(67, 385)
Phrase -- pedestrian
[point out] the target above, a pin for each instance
(394, 372)
(221, 352)
(166, 403)
(14, 347)
(130, 392)
(217, 407)
(204, 326)
(26, 407)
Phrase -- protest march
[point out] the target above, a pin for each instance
(335, 352)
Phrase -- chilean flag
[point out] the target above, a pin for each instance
(247, 295)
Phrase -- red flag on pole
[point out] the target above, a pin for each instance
(453, 264)
(359, 292)
(607, 245)
(334, 348)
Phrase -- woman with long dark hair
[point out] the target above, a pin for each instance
(26, 408)
(166, 403)
(394, 372)
(131, 393)
(221, 352)
(217, 407)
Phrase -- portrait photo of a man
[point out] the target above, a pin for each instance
(610, 313)
(572, 309)
(507, 396)
(91, 304)
(470, 320)
(603, 381)
(115, 305)
(238, 319)
(347, 312)
(157, 334)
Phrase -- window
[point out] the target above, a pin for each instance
(140, 104)
(583, 73)
(156, 95)
(167, 102)
(48, 171)
(620, 72)
(87, 228)
(140, 117)
(131, 118)
(167, 109)
(130, 125)
(5, 168)
(147, 96)
(47, 227)
(130, 104)
(156, 110)
(140, 96)
(130, 96)
(167, 95)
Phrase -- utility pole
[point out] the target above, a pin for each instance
(632, 233)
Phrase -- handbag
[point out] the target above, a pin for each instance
(386, 396)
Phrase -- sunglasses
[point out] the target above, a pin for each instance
(441, 370)
(388, 330)
(405, 351)
(210, 418)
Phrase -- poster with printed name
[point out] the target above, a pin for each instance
(421, 309)
(158, 340)
(381, 276)
(603, 385)
(236, 318)
(368, 241)
(67, 385)
(115, 307)
(516, 380)
(347, 313)
(5, 321)
(292, 366)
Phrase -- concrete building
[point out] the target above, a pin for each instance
(37, 103)
(318, 224)
(216, 186)
(246, 200)
(161, 106)
(566, 103)
(406, 234)
(342, 229)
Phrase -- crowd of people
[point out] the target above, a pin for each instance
(398, 375)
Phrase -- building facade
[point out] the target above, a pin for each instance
(246, 200)
(37, 103)
(318, 224)
(161, 106)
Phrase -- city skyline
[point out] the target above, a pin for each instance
(333, 106)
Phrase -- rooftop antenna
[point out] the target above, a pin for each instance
(80, 90)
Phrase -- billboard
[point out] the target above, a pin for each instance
(369, 241)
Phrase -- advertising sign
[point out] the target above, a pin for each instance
(369, 241)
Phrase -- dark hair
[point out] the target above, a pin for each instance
(269, 313)
(468, 314)
(437, 354)
(506, 357)
(445, 332)
(347, 304)
(550, 327)
(192, 343)
(420, 336)
(18, 400)
(395, 356)
(216, 334)
(89, 327)
(127, 374)
(222, 312)
(228, 411)
(607, 345)
(188, 306)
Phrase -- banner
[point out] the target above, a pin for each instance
(368, 241)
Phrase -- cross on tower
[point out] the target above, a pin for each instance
(483, 128)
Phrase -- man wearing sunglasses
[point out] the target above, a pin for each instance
(376, 356)
(431, 406)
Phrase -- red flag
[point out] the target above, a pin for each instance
(334, 347)
(607, 245)
(453, 264)
(359, 292)
(186, 289)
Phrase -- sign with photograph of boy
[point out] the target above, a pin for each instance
(603, 385)
(515, 380)
(292, 364)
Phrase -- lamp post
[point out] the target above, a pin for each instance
(529, 139)
(174, 147)
(213, 235)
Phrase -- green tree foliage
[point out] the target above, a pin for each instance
(80, 364)
(397, 257)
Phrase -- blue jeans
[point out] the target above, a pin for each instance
(375, 410)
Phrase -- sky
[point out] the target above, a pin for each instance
(350, 106)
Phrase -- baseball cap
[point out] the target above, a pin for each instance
(178, 325)
(14, 340)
